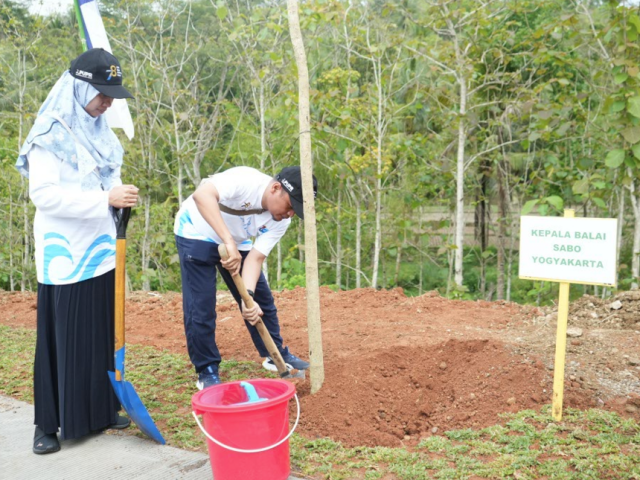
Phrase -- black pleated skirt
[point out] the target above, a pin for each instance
(74, 352)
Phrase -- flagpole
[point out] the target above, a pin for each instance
(94, 35)
(76, 7)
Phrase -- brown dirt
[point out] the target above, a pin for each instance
(398, 369)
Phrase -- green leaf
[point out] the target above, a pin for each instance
(563, 129)
(581, 187)
(563, 81)
(222, 12)
(614, 158)
(585, 162)
(617, 106)
(599, 202)
(529, 206)
(631, 135)
(620, 77)
(533, 136)
(636, 150)
(635, 21)
(633, 106)
(556, 201)
(630, 162)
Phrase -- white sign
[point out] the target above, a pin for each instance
(573, 250)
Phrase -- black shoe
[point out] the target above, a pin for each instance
(208, 378)
(121, 423)
(45, 443)
(291, 361)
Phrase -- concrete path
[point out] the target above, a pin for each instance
(100, 456)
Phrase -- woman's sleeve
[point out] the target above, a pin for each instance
(50, 198)
(116, 181)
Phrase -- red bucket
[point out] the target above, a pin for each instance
(247, 440)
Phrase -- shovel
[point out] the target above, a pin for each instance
(124, 390)
(283, 371)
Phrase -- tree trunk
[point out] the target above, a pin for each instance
(502, 230)
(420, 255)
(512, 242)
(339, 240)
(459, 236)
(146, 284)
(358, 244)
(396, 278)
(11, 240)
(379, 132)
(620, 218)
(263, 150)
(356, 200)
(306, 165)
(24, 186)
(26, 253)
(635, 262)
(481, 222)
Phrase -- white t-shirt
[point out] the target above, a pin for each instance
(74, 230)
(240, 188)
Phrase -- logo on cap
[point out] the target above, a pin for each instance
(286, 183)
(82, 73)
(114, 71)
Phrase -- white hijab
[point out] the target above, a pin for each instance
(103, 153)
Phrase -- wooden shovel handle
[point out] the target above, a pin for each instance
(262, 330)
(122, 219)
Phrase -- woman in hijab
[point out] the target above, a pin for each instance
(72, 160)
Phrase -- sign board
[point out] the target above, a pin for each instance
(572, 250)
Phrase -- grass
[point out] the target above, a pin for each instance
(586, 445)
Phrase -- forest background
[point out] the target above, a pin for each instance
(435, 125)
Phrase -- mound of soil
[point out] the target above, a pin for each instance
(398, 369)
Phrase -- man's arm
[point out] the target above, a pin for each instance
(250, 275)
(252, 268)
(206, 198)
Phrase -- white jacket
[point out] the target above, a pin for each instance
(74, 229)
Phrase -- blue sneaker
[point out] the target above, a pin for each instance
(291, 361)
(208, 378)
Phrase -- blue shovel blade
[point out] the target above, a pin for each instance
(135, 408)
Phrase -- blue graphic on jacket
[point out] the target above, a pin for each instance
(184, 220)
(88, 264)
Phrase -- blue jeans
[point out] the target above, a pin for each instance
(198, 263)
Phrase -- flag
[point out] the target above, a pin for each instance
(93, 35)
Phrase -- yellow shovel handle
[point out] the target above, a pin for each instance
(121, 249)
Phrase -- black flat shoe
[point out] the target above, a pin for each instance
(121, 423)
(45, 443)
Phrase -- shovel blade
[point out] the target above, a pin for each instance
(289, 374)
(135, 408)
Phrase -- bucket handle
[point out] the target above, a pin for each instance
(258, 450)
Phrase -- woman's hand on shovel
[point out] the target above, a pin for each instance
(251, 315)
(235, 259)
(123, 196)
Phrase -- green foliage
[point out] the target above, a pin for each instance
(293, 274)
(552, 122)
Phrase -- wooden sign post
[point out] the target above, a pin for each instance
(567, 250)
